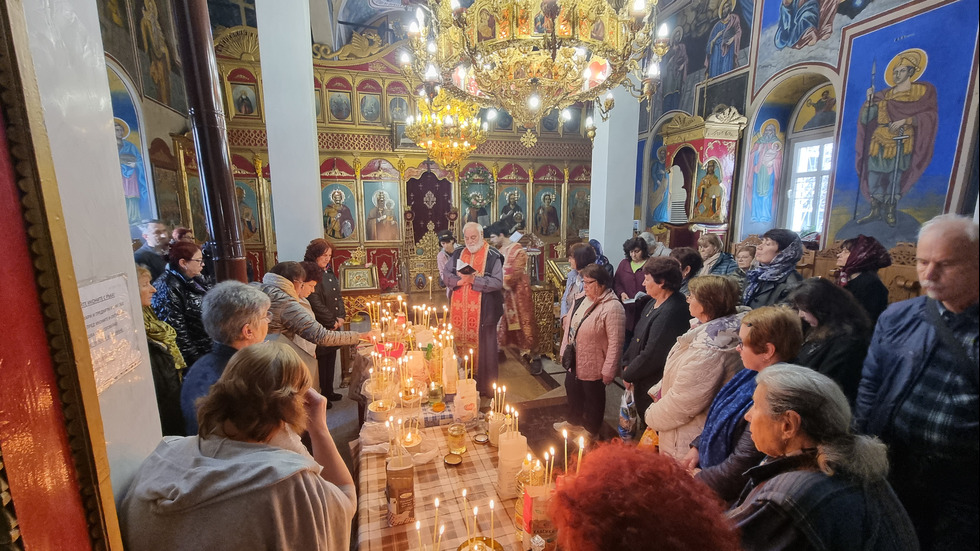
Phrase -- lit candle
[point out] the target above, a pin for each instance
(551, 471)
(491, 522)
(418, 529)
(517, 424)
(581, 446)
(503, 396)
(546, 468)
(564, 434)
(496, 400)
(435, 522)
(430, 287)
(475, 525)
(439, 541)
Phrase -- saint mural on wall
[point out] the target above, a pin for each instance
(338, 221)
(824, 110)
(895, 135)
(546, 221)
(724, 41)
(512, 213)
(133, 174)
(767, 160)
(805, 22)
(658, 203)
(382, 219)
(674, 70)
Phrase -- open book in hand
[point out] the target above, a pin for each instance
(464, 268)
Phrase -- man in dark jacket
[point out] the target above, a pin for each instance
(153, 253)
(235, 315)
(328, 308)
(919, 389)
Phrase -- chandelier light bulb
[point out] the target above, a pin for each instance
(663, 31)
(420, 17)
(587, 73)
(413, 28)
(639, 6)
(405, 58)
(566, 114)
(410, 120)
(486, 126)
(454, 5)
(448, 121)
(431, 74)
(653, 71)
(491, 114)
(431, 47)
(589, 122)
(534, 101)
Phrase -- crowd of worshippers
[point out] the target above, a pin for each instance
(789, 413)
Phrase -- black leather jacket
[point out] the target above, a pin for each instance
(178, 302)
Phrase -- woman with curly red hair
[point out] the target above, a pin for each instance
(663, 508)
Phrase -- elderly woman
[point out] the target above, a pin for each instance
(716, 261)
(663, 317)
(236, 485)
(628, 279)
(776, 275)
(288, 284)
(580, 255)
(663, 510)
(724, 451)
(838, 332)
(166, 362)
(821, 486)
(180, 292)
(235, 315)
(859, 260)
(703, 360)
(328, 308)
(691, 264)
(593, 341)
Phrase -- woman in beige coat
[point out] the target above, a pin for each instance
(703, 360)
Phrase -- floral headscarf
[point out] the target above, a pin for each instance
(867, 255)
(783, 263)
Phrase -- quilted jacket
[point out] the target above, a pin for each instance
(699, 364)
(599, 341)
(178, 302)
(291, 317)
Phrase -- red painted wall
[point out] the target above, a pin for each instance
(32, 432)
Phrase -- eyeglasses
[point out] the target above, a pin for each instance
(201, 260)
(588, 281)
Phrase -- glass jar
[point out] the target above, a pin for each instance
(457, 438)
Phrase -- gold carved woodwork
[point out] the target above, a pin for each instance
(543, 297)
(240, 43)
(359, 47)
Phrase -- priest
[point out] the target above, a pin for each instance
(475, 275)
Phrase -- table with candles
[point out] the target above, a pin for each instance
(476, 475)
(442, 495)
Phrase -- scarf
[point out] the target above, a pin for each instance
(600, 260)
(161, 332)
(727, 409)
(867, 255)
(783, 263)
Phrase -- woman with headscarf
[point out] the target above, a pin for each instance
(771, 282)
(601, 259)
(859, 261)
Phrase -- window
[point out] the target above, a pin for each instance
(806, 205)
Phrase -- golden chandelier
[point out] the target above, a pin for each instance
(532, 56)
(447, 128)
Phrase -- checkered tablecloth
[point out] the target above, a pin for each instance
(477, 474)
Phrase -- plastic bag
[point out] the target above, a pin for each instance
(650, 439)
(628, 417)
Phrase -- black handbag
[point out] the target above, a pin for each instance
(568, 356)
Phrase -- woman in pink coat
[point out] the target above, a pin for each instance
(594, 329)
(703, 360)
